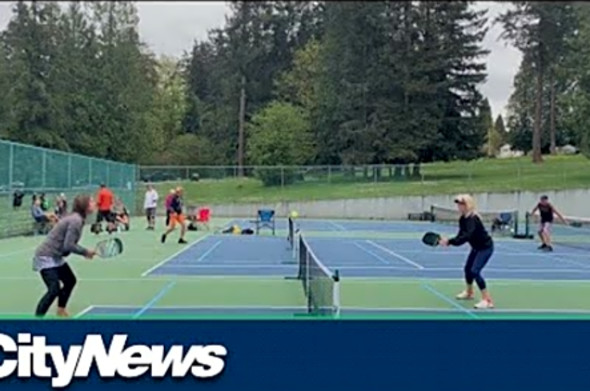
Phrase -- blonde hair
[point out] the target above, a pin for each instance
(469, 203)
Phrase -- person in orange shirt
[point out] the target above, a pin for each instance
(104, 204)
(176, 216)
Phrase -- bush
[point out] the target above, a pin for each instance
(279, 136)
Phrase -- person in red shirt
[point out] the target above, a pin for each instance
(104, 204)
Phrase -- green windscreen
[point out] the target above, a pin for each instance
(36, 170)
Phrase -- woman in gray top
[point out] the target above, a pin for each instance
(49, 259)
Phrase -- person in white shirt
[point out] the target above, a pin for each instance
(149, 204)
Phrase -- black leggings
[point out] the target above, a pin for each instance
(52, 278)
(476, 261)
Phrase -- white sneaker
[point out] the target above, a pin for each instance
(464, 296)
(484, 305)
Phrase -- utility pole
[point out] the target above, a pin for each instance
(241, 127)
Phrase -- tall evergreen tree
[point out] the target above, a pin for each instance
(31, 49)
(540, 30)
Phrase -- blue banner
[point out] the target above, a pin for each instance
(295, 355)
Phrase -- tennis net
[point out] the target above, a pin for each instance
(500, 219)
(321, 286)
(575, 234)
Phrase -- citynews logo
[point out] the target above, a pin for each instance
(31, 356)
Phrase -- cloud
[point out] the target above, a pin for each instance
(502, 62)
(171, 27)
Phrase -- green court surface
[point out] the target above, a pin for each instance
(130, 285)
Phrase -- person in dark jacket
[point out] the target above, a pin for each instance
(546, 212)
(472, 231)
(50, 257)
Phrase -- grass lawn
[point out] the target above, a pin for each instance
(485, 175)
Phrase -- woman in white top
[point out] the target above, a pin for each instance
(149, 204)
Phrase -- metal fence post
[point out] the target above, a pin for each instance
(10, 165)
(44, 169)
(69, 171)
(470, 170)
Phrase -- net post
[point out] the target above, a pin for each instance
(336, 293)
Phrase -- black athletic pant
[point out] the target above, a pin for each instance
(476, 261)
(52, 278)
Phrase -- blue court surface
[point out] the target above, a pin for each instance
(374, 258)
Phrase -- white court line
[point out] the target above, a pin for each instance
(337, 226)
(557, 258)
(156, 278)
(208, 252)
(191, 307)
(509, 270)
(507, 281)
(238, 262)
(351, 308)
(367, 267)
(396, 255)
(507, 253)
(501, 281)
(171, 257)
(84, 311)
(371, 253)
(229, 266)
(493, 311)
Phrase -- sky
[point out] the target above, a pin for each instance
(170, 28)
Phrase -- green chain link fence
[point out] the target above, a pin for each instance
(34, 170)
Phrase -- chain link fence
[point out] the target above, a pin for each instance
(466, 172)
(284, 175)
(285, 183)
(34, 170)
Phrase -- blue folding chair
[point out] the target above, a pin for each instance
(503, 222)
(265, 219)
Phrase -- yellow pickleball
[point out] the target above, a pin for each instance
(294, 214)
